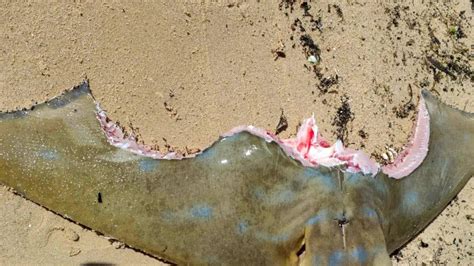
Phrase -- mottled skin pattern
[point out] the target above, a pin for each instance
(242, 201)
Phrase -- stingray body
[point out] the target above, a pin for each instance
(241, 201)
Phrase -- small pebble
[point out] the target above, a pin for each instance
(71, 235)
(118, 244)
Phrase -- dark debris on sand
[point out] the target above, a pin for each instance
(343, 116)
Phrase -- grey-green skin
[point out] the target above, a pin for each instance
(243, 201)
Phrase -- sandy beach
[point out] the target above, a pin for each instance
(179, 73)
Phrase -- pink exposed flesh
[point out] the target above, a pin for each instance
(416, 150)
(312, 150)
(308, 147)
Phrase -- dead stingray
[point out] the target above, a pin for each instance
(250, 198)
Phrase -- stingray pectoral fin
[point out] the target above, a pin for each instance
(242, 201)
(418, 198)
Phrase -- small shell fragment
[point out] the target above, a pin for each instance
(393, 151)
(390, 156)
(312, 59)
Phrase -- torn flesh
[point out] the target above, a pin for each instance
(308, 147)
(415, 152)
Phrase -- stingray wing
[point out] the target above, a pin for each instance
(414, 201)
(241, 201)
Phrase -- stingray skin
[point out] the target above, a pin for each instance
(243, 201)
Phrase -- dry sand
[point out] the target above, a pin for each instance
(180, 73)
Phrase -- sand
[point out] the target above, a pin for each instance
(180, 73)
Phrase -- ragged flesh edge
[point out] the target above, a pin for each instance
(415, 152)
(309, 147)
(117, 138)
(312, 150)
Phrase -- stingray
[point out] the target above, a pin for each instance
(249, 198)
